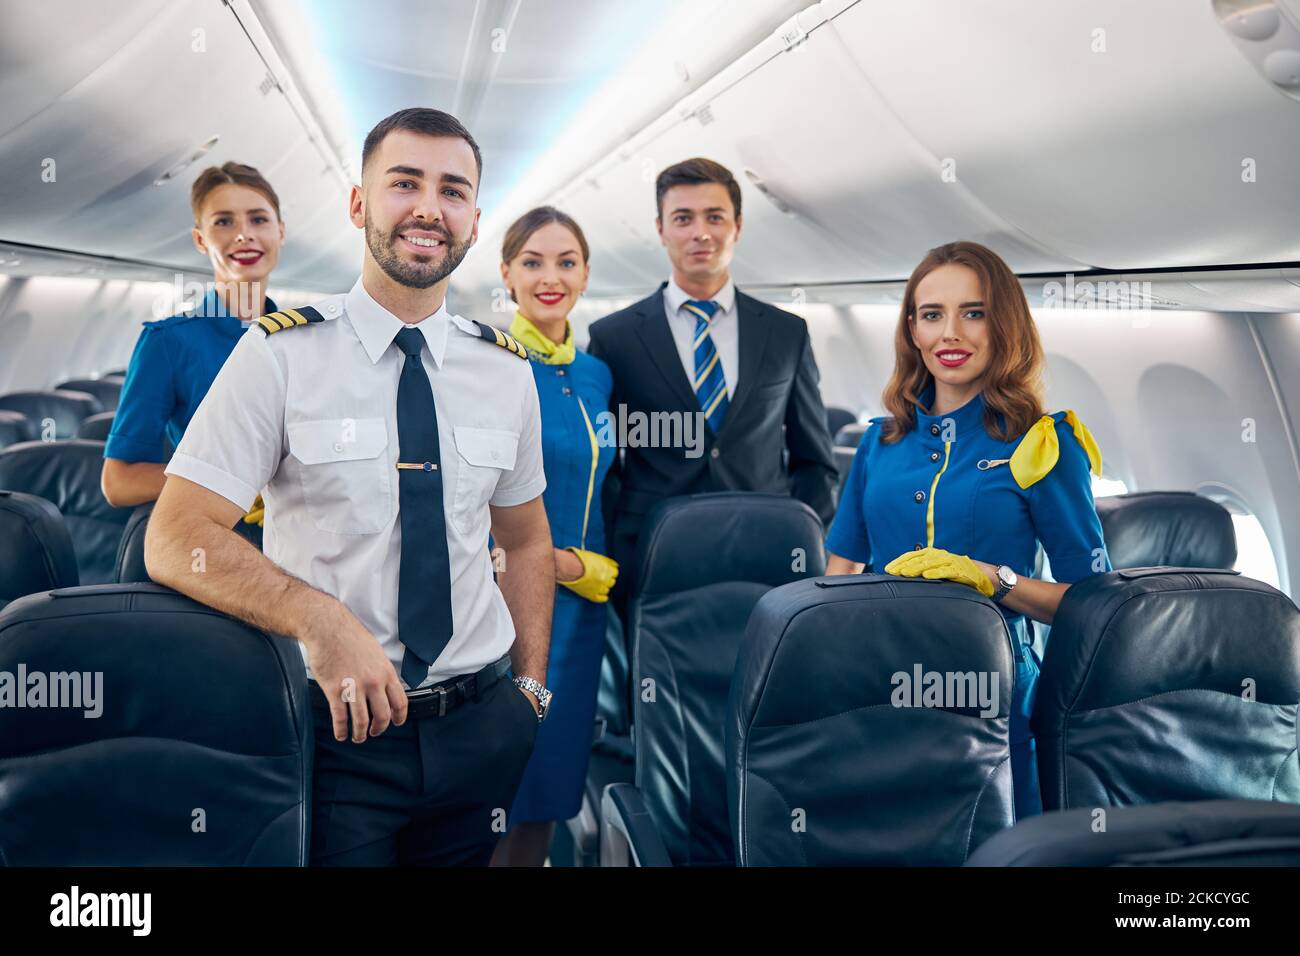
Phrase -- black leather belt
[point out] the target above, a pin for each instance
(437, 700)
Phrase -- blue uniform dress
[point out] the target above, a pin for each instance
(173, 366)
(948, 484)
(571, 398)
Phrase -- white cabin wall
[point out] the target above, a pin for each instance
(53, 328)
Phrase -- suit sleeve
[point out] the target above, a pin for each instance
(812, 463)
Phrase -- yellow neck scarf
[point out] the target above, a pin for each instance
(539, 346)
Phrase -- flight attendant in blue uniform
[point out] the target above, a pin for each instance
(967, 475)
(544, 261)
(237, 226)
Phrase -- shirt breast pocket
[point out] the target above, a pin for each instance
(485, 454)
(345, 473)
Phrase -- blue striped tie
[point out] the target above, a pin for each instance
(710, 383)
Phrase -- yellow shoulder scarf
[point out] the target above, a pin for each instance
(539, 346)
(1038, 451)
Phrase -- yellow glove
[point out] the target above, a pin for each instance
(257, 514)
(598, 576)
(937, 564)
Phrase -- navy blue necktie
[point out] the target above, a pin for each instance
(710, 384)
(424, 583)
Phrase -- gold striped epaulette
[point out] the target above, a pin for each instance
(288, 318)
(494, 335)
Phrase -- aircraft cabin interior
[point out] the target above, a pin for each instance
(775, 645)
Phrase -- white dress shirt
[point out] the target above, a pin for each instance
(309, 414)
(724, 329)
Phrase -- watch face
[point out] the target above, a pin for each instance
(1007, 576)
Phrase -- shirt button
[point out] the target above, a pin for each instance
(919, 497)
(332, 309)
(917, 547)
(934, 429)
(934, 456)
(495, 455)
(338, 446)
(715, 453)
(559, 372)
(567, 390)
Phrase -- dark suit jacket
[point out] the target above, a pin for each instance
(777, 407)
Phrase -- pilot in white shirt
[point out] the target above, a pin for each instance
(388, 438)
(321, 439)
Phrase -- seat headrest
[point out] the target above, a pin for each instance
(172, 707)
(696, 540)
(130, 567)
(66, 409)
(107, 390)
(35, 550)
(67, 473)
(829, 715)
(850, 436)
(1172, 528)
(97, 427)
(837, 418)
(705, 561)
(1208, 833)
(1169, 684)
(15, 427)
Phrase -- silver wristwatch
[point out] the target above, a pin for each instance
(535, 687)
(1006, 581)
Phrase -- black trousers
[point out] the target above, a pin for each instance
(433, 792)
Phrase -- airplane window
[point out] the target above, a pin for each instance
(1255, 558)
(1102, 487)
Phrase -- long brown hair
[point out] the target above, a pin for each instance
(1013, 383)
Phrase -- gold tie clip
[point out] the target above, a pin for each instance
(420, 466)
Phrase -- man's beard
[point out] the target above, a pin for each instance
(414, 275)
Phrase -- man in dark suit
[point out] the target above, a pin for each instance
(699, 347)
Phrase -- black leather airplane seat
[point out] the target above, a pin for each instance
(1169, 684)
(35, 550)
(869, 724)
(182, 737)
(67, 474)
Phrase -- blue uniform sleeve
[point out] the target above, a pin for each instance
(147, 402)
(1064, 516)
(848, 534)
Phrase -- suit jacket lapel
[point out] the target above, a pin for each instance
(754, 332)
(658, 341)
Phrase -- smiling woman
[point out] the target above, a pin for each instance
(968, 475)
(237, 225)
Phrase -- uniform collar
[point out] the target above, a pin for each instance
(676, 297)
(376, 327)
(539, 346)
(965, 418)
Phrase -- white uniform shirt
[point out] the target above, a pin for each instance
(309, 414)
(724, 329)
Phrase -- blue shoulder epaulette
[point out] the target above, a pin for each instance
(494, 335)
(288, 318)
